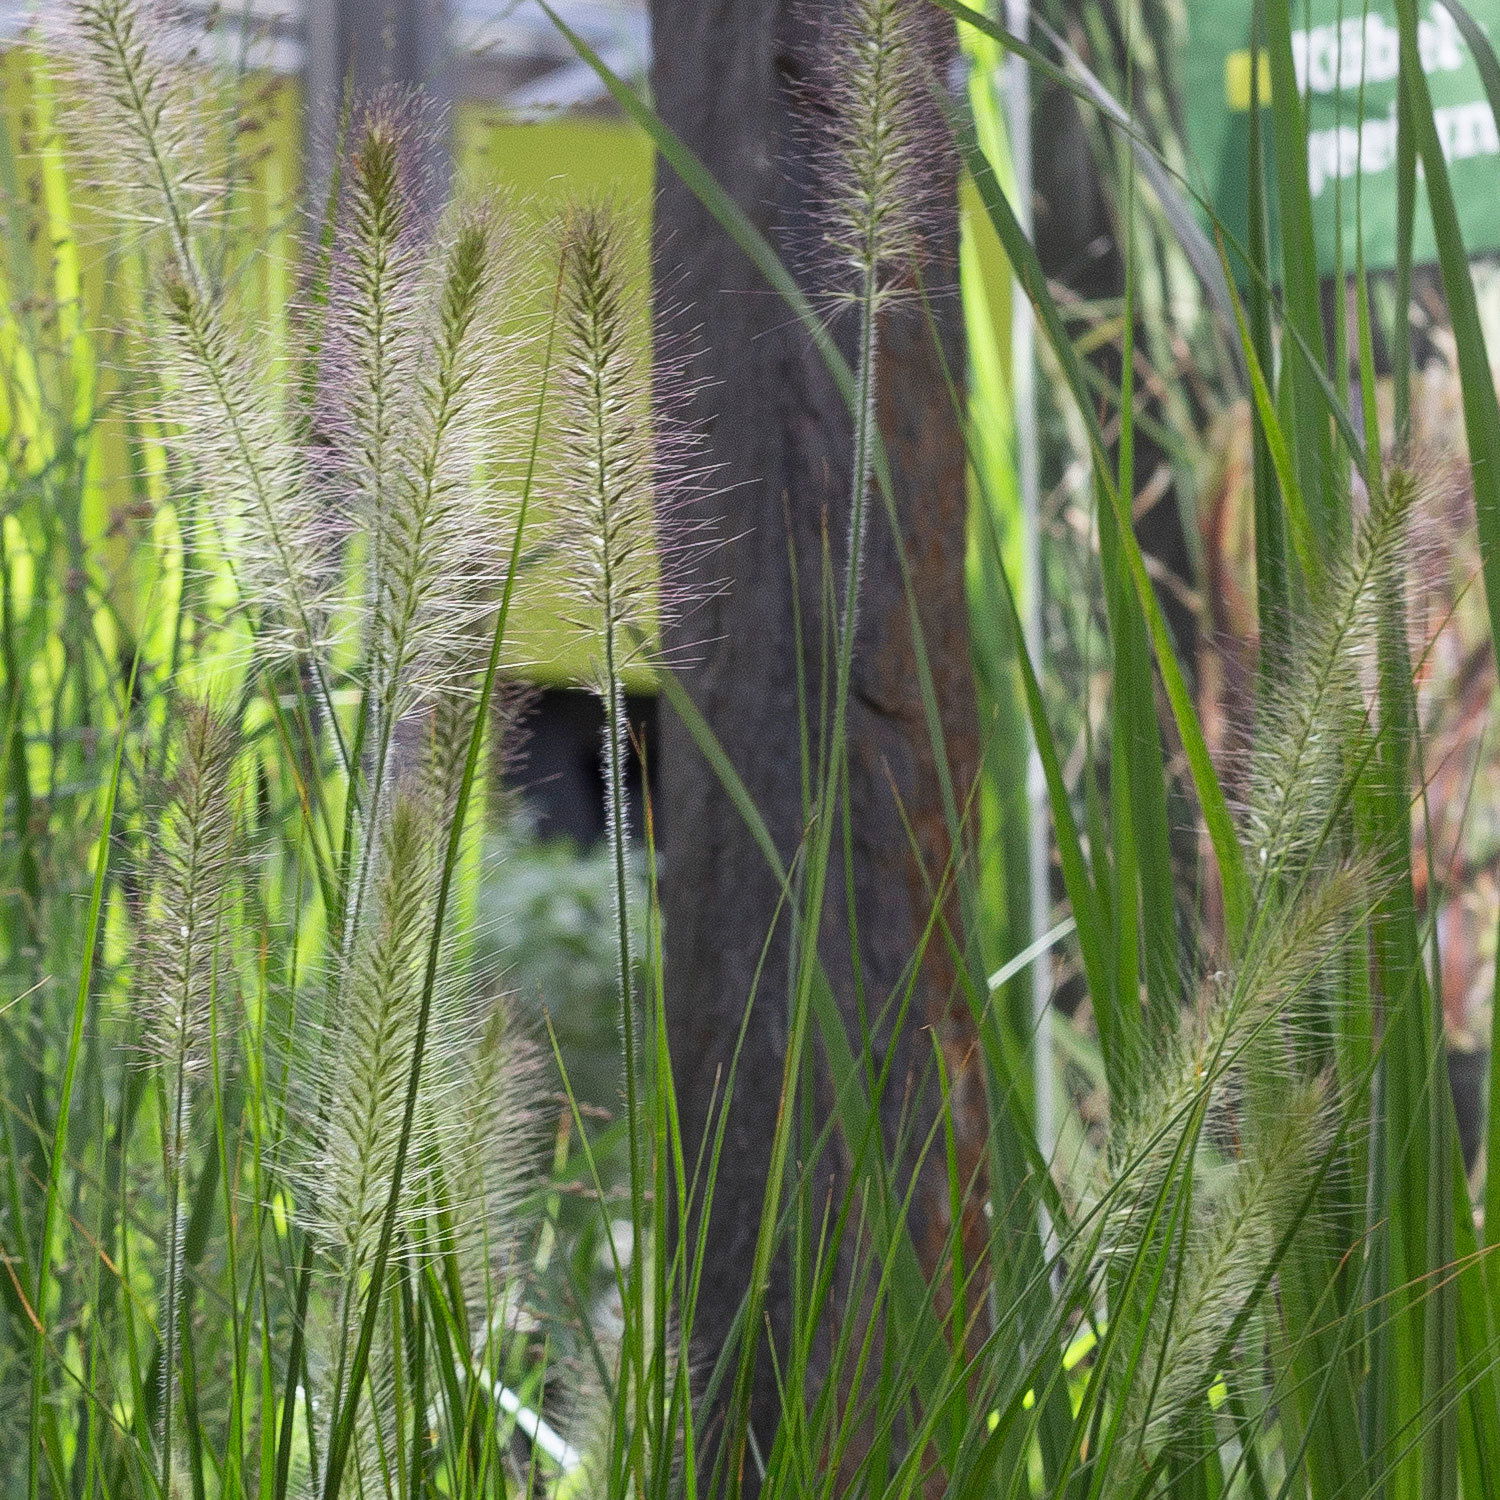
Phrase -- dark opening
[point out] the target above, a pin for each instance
(554, 762)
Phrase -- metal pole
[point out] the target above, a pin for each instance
(1016, 99)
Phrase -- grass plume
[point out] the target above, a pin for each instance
(1239, 1069)
(608, 491)
(439, 564)
(348, 1183)
(186, 979)
(155, 127)
(217, 1282)
(881, 144)
(483, 1111)
(609, 462)
(1233, 1233)
(1303, 763)
(417, 380)
(230, 424)
(141, 120)
(369, 379)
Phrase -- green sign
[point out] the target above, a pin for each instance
(1346, 54)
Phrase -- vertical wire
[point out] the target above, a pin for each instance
(1016, 103)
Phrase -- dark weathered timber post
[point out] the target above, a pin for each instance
(728, 76)
(365, 46)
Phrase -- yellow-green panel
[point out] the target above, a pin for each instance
(70, 293)
(543, 167)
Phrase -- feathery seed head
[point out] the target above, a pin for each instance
(621, 466)
(1246, 1038)
(417, 404)
(227, 422)
(185, 970)
(439, 533)
(380, 196)
(608, 469)
(483, 1121)
(1310, 729)
(141, 119)
(146, 117)
(368, 345)
(475, 1074)
(885, 138)
(1241, 1086)
(467, 1163)
(1210, 1163)
(417, 407)
(371, 1042)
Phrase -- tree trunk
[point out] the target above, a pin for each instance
(730, 77)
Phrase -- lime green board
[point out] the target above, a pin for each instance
(82, 267)
(1345, 53)
(541, 168)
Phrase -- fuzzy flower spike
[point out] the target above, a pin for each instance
(615, 475)
(141, 122)
(150, 129)
(417, 399)
(417, 392)
(873, 118)
(607, 476)
(185, 973)
(881, 145)
(608, 455)
(1241, 1083)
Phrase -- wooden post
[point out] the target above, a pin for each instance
(367, 45)
(727, 77)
